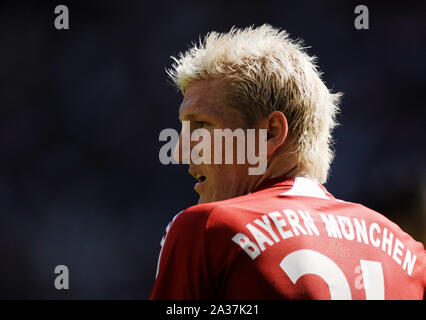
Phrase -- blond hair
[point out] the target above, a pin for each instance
(265, 72)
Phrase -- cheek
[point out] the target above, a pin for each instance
(225, 177)
(216, 176)
(219, 177)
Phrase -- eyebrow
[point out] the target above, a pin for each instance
(180, 119)
(191, 116)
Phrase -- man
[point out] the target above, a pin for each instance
(279, 234)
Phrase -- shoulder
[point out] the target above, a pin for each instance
(386, 228)
(214, 214)
(382, 220)
(193, 215)
(194, 219)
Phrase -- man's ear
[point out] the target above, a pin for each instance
(277, 127)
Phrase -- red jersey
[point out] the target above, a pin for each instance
(289, 239)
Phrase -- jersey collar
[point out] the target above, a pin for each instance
(297, 186)
(275, 182)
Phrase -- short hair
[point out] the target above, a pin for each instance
(267, 71)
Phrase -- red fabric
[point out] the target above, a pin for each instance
(199, 259)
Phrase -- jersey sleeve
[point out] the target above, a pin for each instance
(182, 271)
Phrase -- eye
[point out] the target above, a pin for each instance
(202, 124)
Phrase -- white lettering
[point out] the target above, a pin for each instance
(247, 245)
(374, 242)
(280, 223)
(260, 237)
(293, 219)
(397, 251)
(264, 231)
(309, 222)
(409, 262)
(361, 21)
(361, 231)
(266, 224)
(350, 235)
(387, 241)
(201, 152)
(331, 226)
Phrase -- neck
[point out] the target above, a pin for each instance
(281, 166)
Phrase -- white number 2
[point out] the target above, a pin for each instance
(305, 261)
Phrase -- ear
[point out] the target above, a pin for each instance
(277, 127)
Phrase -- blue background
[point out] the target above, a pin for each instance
(81, 111)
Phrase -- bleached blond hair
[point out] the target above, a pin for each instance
(266, 71)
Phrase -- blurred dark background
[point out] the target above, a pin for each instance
(81, 110)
